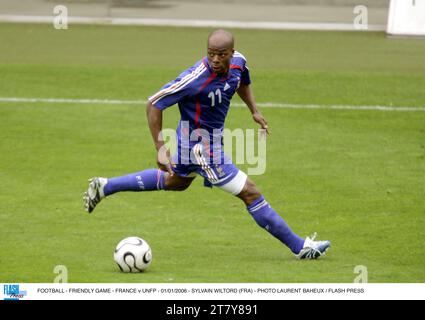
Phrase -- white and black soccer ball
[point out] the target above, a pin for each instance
(133, 254)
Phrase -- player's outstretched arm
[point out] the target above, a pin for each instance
(154, 116)
(247, 96)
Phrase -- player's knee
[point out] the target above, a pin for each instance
(173, 184)
(253, 194)
(250, 192)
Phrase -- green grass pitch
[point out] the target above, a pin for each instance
(357, 177)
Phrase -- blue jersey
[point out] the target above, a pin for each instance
(203, 98)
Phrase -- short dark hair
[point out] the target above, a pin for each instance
(230, 41)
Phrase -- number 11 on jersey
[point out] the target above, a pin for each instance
(211, 95)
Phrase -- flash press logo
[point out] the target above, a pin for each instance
(12, 292)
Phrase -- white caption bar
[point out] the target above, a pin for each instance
(215, 291)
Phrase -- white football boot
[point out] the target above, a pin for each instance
(94, 193)
(313, 249)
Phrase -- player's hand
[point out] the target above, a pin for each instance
(164, 160)
(258, 117)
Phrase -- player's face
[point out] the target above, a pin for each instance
(219, 59)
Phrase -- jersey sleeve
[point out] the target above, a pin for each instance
(245, 77)
(239, 61)
(175, 91)
(170, 94)
(183, 86)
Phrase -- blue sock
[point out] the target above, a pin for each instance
(148, 180)
(268, 219)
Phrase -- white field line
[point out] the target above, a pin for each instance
(195, 23)
(77, 101)
(237, 105)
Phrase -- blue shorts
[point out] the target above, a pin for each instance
(223, 174)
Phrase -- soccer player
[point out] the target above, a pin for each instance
(203, 94)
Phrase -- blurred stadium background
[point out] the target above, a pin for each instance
(331, 11)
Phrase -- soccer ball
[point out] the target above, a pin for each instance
(133, 254)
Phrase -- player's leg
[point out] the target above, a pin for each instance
(147, 180)
(267, 218)
(229, 178)
(237, 183)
